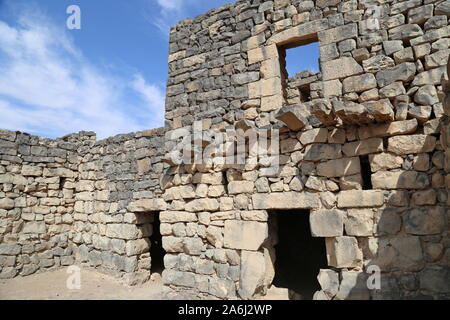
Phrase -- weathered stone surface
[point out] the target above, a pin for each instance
(327, 223)
(434, 278)
(405, 32)
(388, 129)
(6, 203)
(9, 249)
(402, 72)
(237, 187)
(433, 76)
(202, 205)
(177, 216)
(35, 227)
(363, 147)
(384, 161)
(353, 286)
(253, 270)
(360, 83)
(147, 205)
(317, 152)
(329, 282)
(343, 252)
(426, 221)
(339, 168)
(292, 116)
(246, 235)
(400, 180)
(378, 63)
(380, 111)
(340, 68)
(319, 135)
(359, 222)
(350, 112)
(285, 200)
(411, 144)
(426, 95)
(402, 253)
(360, 199)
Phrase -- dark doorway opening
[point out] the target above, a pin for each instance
(299, 256)
(156, 249)
(366, 173)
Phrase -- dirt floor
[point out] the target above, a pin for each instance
(94, 286)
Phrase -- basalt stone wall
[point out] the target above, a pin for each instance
(67, 201)
(37, 197)
(364, 154)
(109, 234)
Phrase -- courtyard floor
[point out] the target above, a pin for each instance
(94, 286)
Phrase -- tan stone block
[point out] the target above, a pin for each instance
(332, 88)
(285, 200)
(262, 53)
(388, 129)
(359, 222)
(343, 252)
(340, 68)
(399, 180)
(360, 199)
(384, 161)
(271, 103)
(411, 144)
(270, 68)
(327, 223)
(319, 135)
(339, 167)
(358, 148)
(246, 235)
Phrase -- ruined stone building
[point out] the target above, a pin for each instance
(361, 182)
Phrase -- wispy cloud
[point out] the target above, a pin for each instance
(47, 85)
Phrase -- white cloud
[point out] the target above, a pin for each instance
(170, 4)
(48, 86)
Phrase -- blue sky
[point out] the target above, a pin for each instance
(108, 77)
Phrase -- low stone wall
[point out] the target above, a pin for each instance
(112, 173)
(65, 201)
(37, 196)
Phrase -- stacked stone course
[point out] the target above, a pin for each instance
(364, 146)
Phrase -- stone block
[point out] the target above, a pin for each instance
(360, 199)
(285, 200)
(359, 222)
(246, 235)
(253, 269)
(339, 168)
(400, 180)
(343, 252)
(411, 144)
(327, 223)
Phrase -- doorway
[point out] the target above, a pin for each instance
(156, 249)
(299, 256)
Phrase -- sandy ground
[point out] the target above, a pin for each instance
(94, 286)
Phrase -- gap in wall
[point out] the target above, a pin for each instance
(366, 173)
(157, 252)
(302, 57)
(299, 256)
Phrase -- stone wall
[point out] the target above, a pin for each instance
(66, 201)
(364, 154)
(37, 196)
(366, 151)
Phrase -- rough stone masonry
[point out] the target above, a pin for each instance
(382, 95)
